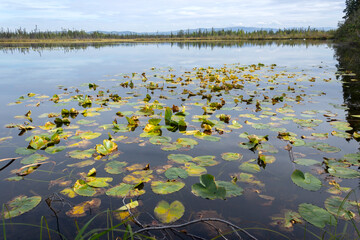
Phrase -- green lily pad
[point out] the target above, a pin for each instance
(229, 156)
(115, 167)
(306, 162)
(83, 189)
(343, 172)
(25, 151)
(138, 177)
(81, 154)
(34, 158)
(187, 142)
(327, 148)
(82, 164)
(159, 140)
(38, 142)
(89, 135)
(20, 205)
(180, 158)
(341, 134)
(352, 158)
(174, 173)
(106, 148)
(85, 122)
(266, 159)
(55, 149)
(339, 207)
(265, 147)
(315, 215)
(206, 160)
(306, 181)
(232, 189)
(249, 167)
(98, 181)
(194, 170)
(168, 213)
(160, 187)
(343, 126)
(124, 190)
(207, 188)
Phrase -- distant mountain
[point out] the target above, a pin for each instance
(245, 29)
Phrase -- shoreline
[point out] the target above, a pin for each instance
(150, 40)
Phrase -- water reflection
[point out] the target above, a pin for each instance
(348, 57)
(69, 47)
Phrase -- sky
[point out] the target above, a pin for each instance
(167, 15)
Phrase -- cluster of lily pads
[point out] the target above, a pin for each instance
(203, 105)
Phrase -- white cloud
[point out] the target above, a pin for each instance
(145, 15)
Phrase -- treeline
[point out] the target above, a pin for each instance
(349, 29)
(295, 33)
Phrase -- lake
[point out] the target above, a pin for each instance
(260, 134)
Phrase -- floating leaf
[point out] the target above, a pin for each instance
(343, 172)
(206, 160)
(20, 205)
(55, 149)
(180, 158)
(107, 147)
(229, 156)
(207, 188)
(187, 142)
(249, 167)
(80, 209)
(83, 189)
(327, 148)
(82, 154)
(68, 192)
(174, 173)
(341, 134)
(34, 158)
(82, 164)
(124, 190)
(160, 187)
(168, 213)
(286, 220)
(315, 215)
(115, 167)
(25, 151)
(306, 162)
(130, 205)
(159, 140)
(232, 189)
(306, 181)
(194, 170)
(98, 181)
(339, 207)
(138, 177)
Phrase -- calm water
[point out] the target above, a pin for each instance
(41, 70)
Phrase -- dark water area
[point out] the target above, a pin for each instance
(317, 81)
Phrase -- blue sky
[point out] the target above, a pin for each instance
(165, 15)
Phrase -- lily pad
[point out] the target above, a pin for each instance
(232, 189)
(80, 209)
(174, 173)
(34, 158)
(20, 205)
(207, 188)
(187, 142)
(160, 187)
(206, 160)
(98, 181)
(343, 172)
(25, 151)
(229, 156)
(115, 167)
(180, 158)
(306, 181)
(249, 167)
(138, 177)
(106, 148)
(194, 170)
(159, 140)
(55, 149)
(168, 213)
(124, 190)
(339, 207)
(82, 154)
(315, 215)
(83, 189)
(306, 162)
